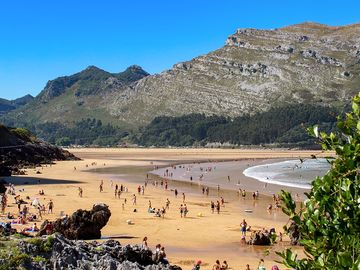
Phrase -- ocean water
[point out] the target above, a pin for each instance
(291, 173)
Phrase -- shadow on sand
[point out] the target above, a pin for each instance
(27, 180)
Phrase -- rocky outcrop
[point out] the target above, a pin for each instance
(19, 148)
(84, 224)
(108, 255)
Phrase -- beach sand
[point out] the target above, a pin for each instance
(202, 235)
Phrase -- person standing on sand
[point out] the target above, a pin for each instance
(80, 192)
(176, 192)
(167, 204)
(51, 206)
(144, 244)
(218, 207)
(243, 226)
(212, 205)
(134, 199)
(183, 197)
(247, 267)
(181, 210)
(185, 210)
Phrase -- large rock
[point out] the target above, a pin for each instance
(84, 224)
(260, 238)
(109, 255)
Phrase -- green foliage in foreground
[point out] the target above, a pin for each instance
(329, 221)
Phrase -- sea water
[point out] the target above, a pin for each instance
(292, 173)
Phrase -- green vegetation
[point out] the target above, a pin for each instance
(281, 125)
(84, 132)
(14, 258)
(329, 221)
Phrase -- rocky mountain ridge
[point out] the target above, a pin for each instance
(8, 105)
(254, 71)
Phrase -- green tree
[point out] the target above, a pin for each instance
(329, 220)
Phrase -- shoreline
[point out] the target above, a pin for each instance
(186, 238)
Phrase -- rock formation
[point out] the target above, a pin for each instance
(109, 255)
(84, 224)
(19, 148)
(260, 238)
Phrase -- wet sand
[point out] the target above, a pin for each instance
(202, 235)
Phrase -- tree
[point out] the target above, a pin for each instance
(329, 220)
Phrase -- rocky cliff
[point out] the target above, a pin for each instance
(254, 71)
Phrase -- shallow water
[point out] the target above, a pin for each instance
(291, 173)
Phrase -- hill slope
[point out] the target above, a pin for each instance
(9, 105)
(255, 71)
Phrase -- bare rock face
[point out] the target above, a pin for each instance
(84, 224)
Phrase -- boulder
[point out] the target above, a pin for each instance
(260, 238)
(84, 224)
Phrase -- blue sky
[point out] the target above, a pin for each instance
(42, 39)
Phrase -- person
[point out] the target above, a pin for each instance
(134, 199)
(80, 192)
(217, 265)
(49, 228)
(181, 210)
(274, 267)
(224, 265)
(162, 256)
(218, 207)
(243, 226)
(51, 206)
(247, 267)
(183, 197)
(212, 207)
(261, 265)
(167, 203)
(144, 244)
(185, 210)
(176, 192)
(34, 228)
(197, 265)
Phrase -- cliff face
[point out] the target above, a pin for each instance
(255, 70)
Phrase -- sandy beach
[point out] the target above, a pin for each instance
(201, 235)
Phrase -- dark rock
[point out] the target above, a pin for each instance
(260, 238)
(84, 224)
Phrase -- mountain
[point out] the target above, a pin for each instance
(71, 98)
(255, 71)
(8, 105)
